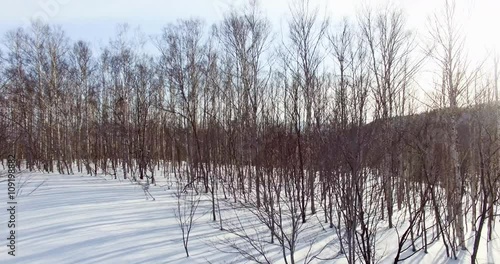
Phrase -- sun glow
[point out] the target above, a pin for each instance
(483, 28)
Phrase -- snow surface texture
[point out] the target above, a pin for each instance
(83, 219)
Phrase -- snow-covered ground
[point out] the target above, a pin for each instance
(84, 219)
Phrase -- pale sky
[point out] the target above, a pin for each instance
(96, 20)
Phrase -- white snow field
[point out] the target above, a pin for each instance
(82, 219)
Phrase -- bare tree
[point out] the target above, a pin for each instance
(449, 54)
(390, 45)
(188, 200)
(306, 32)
